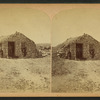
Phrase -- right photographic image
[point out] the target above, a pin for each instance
(76, 50)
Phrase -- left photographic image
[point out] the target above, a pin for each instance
(24, 49)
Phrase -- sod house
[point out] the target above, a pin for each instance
(78, 48)
(17, 46)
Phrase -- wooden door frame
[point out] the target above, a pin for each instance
(9, 43)
(81, 50)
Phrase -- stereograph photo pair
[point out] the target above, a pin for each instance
(49, 49)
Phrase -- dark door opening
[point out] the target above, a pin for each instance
(79, 50)
(11, 49)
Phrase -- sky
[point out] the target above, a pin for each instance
(75, 22)
(50, 23)
(33, 23)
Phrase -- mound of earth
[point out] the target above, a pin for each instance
(25, 75)
(75, 76)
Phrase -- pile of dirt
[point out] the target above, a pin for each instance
(76, 76)
(25, 75)
(58, 67)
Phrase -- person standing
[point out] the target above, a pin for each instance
(1, 53)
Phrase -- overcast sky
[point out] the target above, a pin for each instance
(33, 23)
(44, 23)
(75, 22)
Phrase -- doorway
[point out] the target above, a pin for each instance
(11, 49)
(79, 50)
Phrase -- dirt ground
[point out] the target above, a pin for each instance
(25, 75)
(70, 76)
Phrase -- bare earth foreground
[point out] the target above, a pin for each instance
(76, 76)
(25, 75)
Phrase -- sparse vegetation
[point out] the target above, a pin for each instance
(70, 76)
(25, 75)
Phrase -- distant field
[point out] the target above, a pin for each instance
(42, 44)
(75, 76)
(25, 75)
